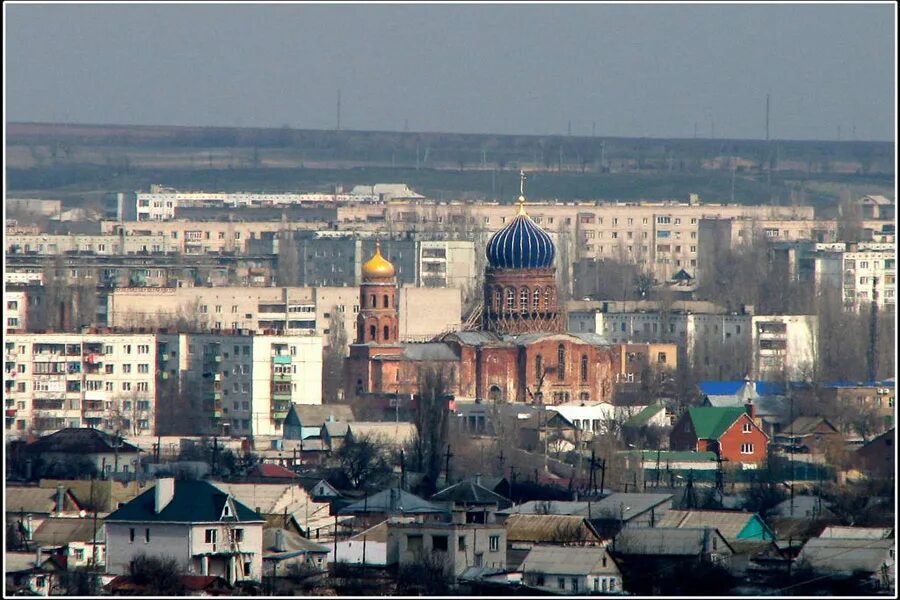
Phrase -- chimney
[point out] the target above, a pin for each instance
(163, 493)
(751, 410)
(60, 498)
(279, 540)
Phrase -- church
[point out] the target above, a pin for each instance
(519, 353)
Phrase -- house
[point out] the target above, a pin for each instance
(733, 525)
(319, 489)
(654, 415)
(104, 494)
(107, 453)
(571, 570)
(846, 557)
(394, 501)
(729, 432)
(283, 548)
(393, 434)
(809, 434)
(458, 546)
(876, 458)
(82, 540)
(858, 533)
(306, 420)
(498, 485)
(29, 507)
(369, 547)
(192, 585)
(524, 532)
(286, 505)
(470, 502)
(33, 573)
(334, 435)
(194, 522)
(769, 399)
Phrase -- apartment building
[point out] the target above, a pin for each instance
(764, 346)
(424, 312)
(15, 315)
(246, 382)
(103, 245)
(58, 380)
(117, 381)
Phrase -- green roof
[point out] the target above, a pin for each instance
(710, 422)
(641, 419)
(678, 456)
(193, 502)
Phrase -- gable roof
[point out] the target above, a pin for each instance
(335, 429)
(710, 422)
(730, 523)
(624, 506)
(392, 501)
(858, 533)
(193, 502)
(80, 440)
(394, 433)
(314, 415)
(36, 500)
(643, 417)
(663, 541)
(269, 470)
(568, 560)
(550, 529)
(294, 544)
(57, 531)
(846, 556)
(470, 493)
(806, 425)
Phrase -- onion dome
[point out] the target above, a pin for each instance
(522, 244)
(378, 267)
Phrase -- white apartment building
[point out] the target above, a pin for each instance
(15, 315)
(102, 245)
(765, 345)
(247, 382)
(445, 263)
(58, 380)
(113, 381)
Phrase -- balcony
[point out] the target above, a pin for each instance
(286, 377)
(282, 359)
(11, 412)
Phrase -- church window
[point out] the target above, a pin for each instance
(547, 295)
(523, 299)
(584, 367)
(561, 362)
(372, 333)
(387, 332)
(538, 366)
(386, 302)
(510, 299)
(498, 298)
(536, 300)
(372, 301)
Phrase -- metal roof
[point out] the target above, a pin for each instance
(470, 493)
(629, 506)
(294, 544)
(80, 440)
(35, 500)
(846, 556)
(661, 541)
(392, 501)
(729, 522)
(858, 533)
(568, 560)
(710, 422)
(193, 502)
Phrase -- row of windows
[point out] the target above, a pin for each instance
(527, 299)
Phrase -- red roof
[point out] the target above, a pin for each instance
(267, 470)
(200, 582)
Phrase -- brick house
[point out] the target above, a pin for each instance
(730, 432)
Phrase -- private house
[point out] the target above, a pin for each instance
(203, 527)
(283, 548)
(107, 453)
(732, 524)
(812, 435)
(394, 502)
(470, 502)
(571, 570)
(32, 573)
(284, 505)
(29, 507)
(524, 532)
(771, 410)
(368, 547)
(858, 533)
(842, 557)
(459, 546)
(80, 540)
(729, 432)
(876, 458)
(307, 420)
(334, 435)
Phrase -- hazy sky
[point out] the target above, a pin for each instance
(634, 70)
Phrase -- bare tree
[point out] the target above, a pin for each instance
(429, 444)
(333, 358)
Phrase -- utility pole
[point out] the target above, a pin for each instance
(447, 456)
(602, 476)
(117, 441)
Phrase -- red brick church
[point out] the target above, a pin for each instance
(520, 354)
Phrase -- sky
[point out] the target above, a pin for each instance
(610, 70)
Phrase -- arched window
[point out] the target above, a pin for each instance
(387, 332)
(523, 299)
(561, 362)
(584, 367)
(538, 366)
(498, 298)
(547, 296)
(372, 333)
(495, 394)
(372, 301)
(386, 303)
(510, 299)
(536, 300)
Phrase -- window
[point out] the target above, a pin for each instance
(210, 536)
(661, 357)
(143, 368)
(237, 535)
(386, 301)
(126, 368)
(538, 366)
(147, 535)
(79, 554)
(747, 427)
(510, 299)
(584, 367)
(494, 543)
(523, 299)
(439, 543)
(248, 568)
(131, 535)
(561, 362)
(387, 332)
(561, 583)
(575, 584)
(414, 543)
(536, 300)
(746, 448)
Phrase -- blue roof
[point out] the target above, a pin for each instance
(522, 244)
(730, 388)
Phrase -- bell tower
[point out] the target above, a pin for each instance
(378, 321)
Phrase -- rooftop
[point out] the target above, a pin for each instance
(193, 502)
(80, 440)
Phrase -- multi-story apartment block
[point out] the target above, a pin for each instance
(424, 312)
(15, 315)
(58, 380)
(116, 381)
(763, 345)
(102, 245)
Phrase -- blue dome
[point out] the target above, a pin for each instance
(522, 244)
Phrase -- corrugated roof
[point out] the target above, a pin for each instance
(551, 529)
(59, 531)
(470, 493)
(267, 470)
(394, 433)
(278, 498)
(568, 560)
(858, 533)
(629, 506)
(846, 556)
(710, 422)
(473, 338)
(14, 562)
(729, 522)
(656, 541)
(34, 500)
(392, 501)
(80, 440)
(193, 502)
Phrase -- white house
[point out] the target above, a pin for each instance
(576, 570)
(203, 527)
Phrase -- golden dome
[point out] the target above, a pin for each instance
(378, 266)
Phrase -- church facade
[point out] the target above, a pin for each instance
(521, 352)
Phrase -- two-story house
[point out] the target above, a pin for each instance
(730, 432)
(195, 522)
